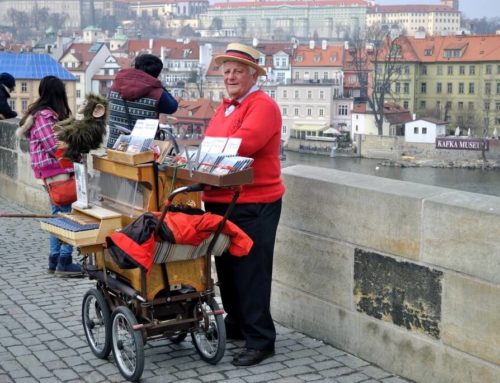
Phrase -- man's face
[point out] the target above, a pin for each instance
(237, 79)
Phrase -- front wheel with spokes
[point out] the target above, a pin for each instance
(209, 336)
(96, 319)
(128, 345)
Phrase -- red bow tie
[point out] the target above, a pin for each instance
(229, 101)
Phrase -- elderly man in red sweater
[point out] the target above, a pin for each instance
(245, 282)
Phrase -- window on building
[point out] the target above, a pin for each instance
(24, 87)
(296, 112)
(78, 93)
(449, 88)
(321, 94)
(296, 94)
(448, 105)
(406, 104)
(24, 104)
(423, 104)
(471, 88)
(486, 105)
(471, 105)
(272, 93)
(461, 69)
(439, 70)
(487, 87)
(450, 69)
(316, 75)
(285, 93)
(284, 111)
(423, 87)
(297, 76)
(325, 75)
(497, 106)
(423, 69)
(439, 87)
(321, 112)
(309, 112)
(398, 87)
(472, 70)
(283, 130)
(461, 88)
(342, 110)
(309, 94)
(407, 69)
(460, 105)
(12, 104)
(489, 69)
(424, 130)
(415, 130)
(406, 87)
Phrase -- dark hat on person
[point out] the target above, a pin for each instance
(243, 54)
(8, 80)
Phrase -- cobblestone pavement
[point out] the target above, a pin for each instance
(42, 339)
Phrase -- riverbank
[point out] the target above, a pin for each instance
(410, 162)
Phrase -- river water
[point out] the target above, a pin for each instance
(472, 180)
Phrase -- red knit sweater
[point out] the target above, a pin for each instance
(257, 121)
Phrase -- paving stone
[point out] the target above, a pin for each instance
(42, 339)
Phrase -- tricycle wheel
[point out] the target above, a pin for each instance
(96, 319)
(209, 336)
(128, 345)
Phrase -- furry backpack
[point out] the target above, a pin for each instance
(85, 131)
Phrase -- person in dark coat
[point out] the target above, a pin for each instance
(137, 93)
(7, 85)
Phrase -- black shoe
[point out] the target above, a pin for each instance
(250, 357)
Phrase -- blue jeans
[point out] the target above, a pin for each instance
(58, 248)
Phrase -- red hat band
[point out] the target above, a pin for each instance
(241, 55)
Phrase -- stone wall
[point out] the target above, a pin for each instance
(393, 147)
(404, 275)
(17, 182)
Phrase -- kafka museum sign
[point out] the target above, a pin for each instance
(461, 144)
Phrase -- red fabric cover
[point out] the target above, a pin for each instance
(133, 84)
(142, 253)
(191, 229)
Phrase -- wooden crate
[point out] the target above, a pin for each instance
(130, 158)
(190, 272)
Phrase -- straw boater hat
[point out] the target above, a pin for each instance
(243, 54)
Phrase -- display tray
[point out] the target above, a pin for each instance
(233, 179)
(130, 158)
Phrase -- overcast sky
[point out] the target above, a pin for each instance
(470, 8)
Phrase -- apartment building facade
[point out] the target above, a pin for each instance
(278, 20)
(453, 78)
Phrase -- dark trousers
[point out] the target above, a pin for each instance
(245, 282)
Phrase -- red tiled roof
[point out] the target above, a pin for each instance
(432, 49)
(201, 109)
(307, 57)
(174, 49)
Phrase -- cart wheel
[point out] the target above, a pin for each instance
(178, 337)
(209, 336)
(97, 323)
(128, 346)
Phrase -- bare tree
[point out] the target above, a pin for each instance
(377, 54)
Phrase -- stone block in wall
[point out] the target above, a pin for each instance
(403, 293)
(461, 231)
(7, 133)
(471, 316)
(419, 358)
(315, 264)
(372, 212)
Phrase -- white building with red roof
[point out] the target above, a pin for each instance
(433, 19)
(84, 60)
